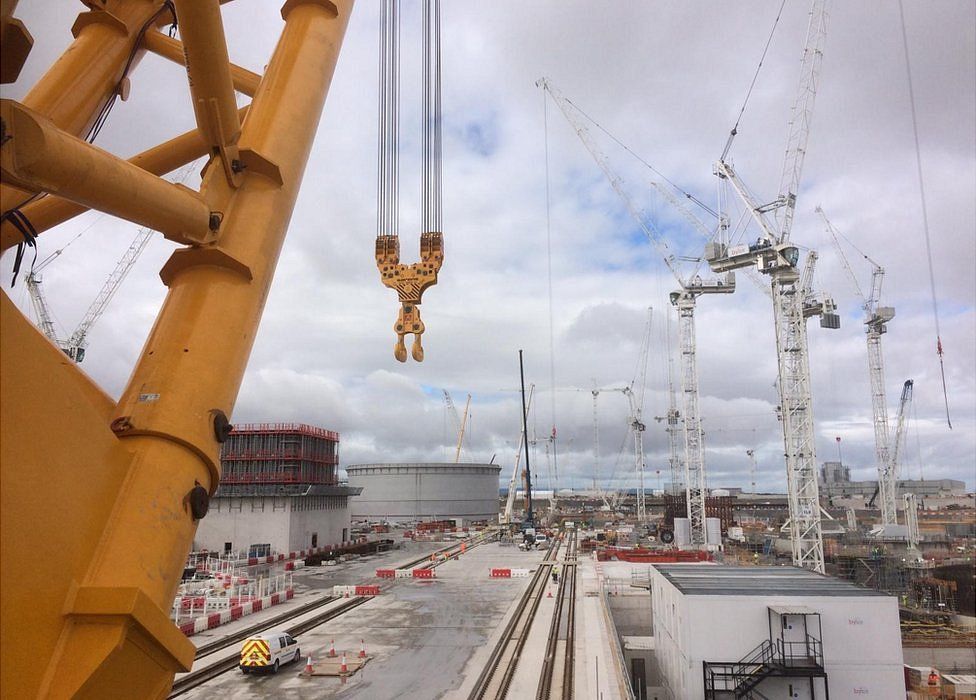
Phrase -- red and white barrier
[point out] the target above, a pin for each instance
(520, 573)
(500, 573)
(423, 573)
(234, 612)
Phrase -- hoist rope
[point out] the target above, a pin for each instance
(431, 116)
(643, 162)
(735, 128)
(387, 149)
(925, 215)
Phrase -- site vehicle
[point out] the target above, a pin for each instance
(269, 652)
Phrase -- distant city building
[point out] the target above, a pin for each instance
(835, 481)
(279, 491)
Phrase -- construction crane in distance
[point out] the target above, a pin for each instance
(775, 255)
(876, 318)
(672, 419)
(754, 471)
(513, 482)
(635, 419)
(459, 421)
(690, 287)
(75, 345)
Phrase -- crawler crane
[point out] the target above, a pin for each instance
(88, 481)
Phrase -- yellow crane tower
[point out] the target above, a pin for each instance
(101, 498)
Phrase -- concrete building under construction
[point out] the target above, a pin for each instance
(279, 492)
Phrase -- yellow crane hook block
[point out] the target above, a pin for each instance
(409, 281)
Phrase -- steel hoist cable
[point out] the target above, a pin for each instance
(409, 281)
(925, 214)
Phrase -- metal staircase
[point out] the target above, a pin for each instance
(740, 679)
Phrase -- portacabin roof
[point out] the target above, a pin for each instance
(695, 579)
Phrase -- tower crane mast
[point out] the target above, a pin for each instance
(775, 256)
(44, 319)
(876, 318)
(672, 418)
(684, 300)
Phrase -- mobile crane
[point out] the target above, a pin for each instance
(91, 621)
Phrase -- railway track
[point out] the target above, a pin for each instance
(193, 679)
(495, 679)
(197, 678)
(558, 667)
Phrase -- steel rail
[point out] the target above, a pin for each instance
(559, 659)
(495, 678)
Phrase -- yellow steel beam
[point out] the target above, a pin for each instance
(37, 156)
(73, 91)
(118, 497)
(49, 211)
(211, 87)
(245, 81)
(15, 42)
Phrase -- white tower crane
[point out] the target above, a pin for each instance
(636, 420)
(754, 471)
(684, 300)
(904, 406)
(775, 256)
(74, 346)
(876, 318)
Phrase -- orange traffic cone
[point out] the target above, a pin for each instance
(308, 666)
(332, 649)
(362, 649)
(343, 668)
(549, 594)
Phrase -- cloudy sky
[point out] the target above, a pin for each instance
(666, 79)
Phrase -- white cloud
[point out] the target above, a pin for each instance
(667, 78)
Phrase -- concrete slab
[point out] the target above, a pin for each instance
(422, 635)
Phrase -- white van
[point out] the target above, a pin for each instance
(268, 652)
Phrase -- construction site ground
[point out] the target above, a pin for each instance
(425, 638)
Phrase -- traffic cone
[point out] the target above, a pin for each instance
(343, 668)
(549, 595)
(308, 666)
(332, 649)
(362, 649)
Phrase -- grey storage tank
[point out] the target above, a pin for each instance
(426, 491)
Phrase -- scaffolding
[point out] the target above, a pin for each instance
(280, 453)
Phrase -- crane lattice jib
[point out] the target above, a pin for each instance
(79, 339)
(801, 115)
(650, 231)
(694, 449)
(796, 412)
